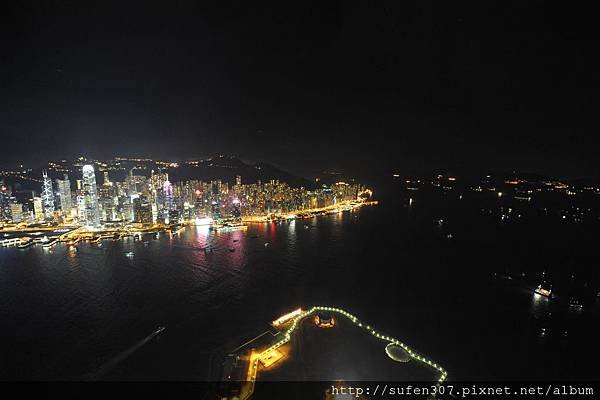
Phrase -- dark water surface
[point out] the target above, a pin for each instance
(89, 314)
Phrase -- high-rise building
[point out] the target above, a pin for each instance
(106, 179)
(47, 196)
(142, 211)
(236, 209)
(16, 212)
(90, 198)
(238, 180)
(4, 202)
(64, 194)
(38, 208)
(168, 193)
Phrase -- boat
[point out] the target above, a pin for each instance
(544, 289)
(130, 254)
(159, 330)
(231, 226)
(575, 303)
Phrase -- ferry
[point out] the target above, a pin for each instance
(544, 290)
(232, 226)
(575, 303)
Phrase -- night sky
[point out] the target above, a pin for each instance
(308, 86)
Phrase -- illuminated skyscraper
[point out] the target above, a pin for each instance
(4, 202)
(38, 208)
(168, 207)
(16, 212)
(90, 198)
(107, 181)
(64, 194)
(168, 193)
(236, 209)
(47, 196)
(142, 211)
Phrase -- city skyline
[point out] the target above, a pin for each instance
(153, 200)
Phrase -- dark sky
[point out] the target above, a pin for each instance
(308, 86)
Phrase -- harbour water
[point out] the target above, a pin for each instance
(441, 288)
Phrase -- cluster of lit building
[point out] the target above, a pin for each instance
(154, 199)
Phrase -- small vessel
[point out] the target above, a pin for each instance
(159, 330)
(575, 303)
(544, 289)
(232, 226)
(146, 243)
(130, 254)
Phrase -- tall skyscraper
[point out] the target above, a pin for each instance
(142, 211)
(47, 196)
(38, 208)
(90, 198)
(4, 202)
(16, 212)
(64, 194)
(236, 209)
(106, 179)
(168, 192)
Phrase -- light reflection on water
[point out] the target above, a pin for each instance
(73, 311)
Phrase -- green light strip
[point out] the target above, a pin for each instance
(288, 335)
